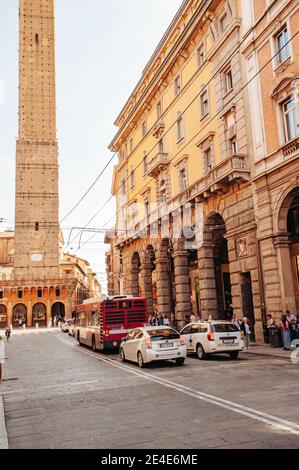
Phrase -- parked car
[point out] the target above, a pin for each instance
(149, 344)
(65, 326)
(215, 337)
(72, 329)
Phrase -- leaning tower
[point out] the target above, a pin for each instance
(37, 223)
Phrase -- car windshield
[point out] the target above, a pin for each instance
(167, 333)
(224, 328)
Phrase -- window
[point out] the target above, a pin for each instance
(201, 55)
(163, 191)
(39, 293)
(208, 160)
(228, 81)
(145, 163)
(133, 214)
(183, 183)
(131, 145)
(1, 294)
(177, 86)
(57, 292)
(159, 109)
(36, 226)
(147, 207)
(233, 146)
(290, 119)
(161, 146)
(132, 177)
(144, 129)
(223, 22)
(180, 127)
(204, 103)
(20, 294)
(282, 45)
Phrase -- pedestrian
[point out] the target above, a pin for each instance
(160, 320)
(151, 320)
(7, 333)
(297, 328)
(245, 329)
(20, 322)
(286, 329)
(292, 319)
(210, 318)
(195, 318)
(186, 320)
(2, 357)
(166, 320)
(236, 322)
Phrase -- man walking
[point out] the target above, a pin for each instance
(7, 333)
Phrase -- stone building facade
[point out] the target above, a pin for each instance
(206, 184)
(37, 281)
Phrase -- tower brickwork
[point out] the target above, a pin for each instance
(37, 224)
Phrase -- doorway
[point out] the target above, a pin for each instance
(39, 312)
(247, 302)
(19, 315)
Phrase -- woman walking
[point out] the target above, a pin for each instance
(286, 333)
(2, 356)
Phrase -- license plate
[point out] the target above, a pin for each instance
(228, 341)
(166, 345)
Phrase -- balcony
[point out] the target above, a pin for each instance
(157, 164)
(218, 179)
(158, 128)
(291, 147)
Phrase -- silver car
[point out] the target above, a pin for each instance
(155, 343)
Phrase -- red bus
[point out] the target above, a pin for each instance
(102, 325)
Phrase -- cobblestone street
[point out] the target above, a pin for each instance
(58, 395)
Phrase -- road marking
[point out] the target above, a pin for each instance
(45, 387)
(270, 420)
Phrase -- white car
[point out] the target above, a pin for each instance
(215, 337)
(72, 329)
(65, 326)
(153, 343)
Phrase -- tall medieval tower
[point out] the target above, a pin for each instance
(37, 218)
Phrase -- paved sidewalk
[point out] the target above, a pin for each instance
(3, 433)
(266, 350)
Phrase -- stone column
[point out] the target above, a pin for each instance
(126, 260)
(285, 270)
(9, 313)
(29, 312)
(134, 281)
(146, 281)
(207, 283)
(163, 287)
(182, 285)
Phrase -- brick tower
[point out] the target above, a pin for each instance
(37, 223)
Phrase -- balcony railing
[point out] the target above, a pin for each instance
(291, 147)
(38, 278)
(230, 170)
(159, 162)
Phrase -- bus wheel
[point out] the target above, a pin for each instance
(140, 360)
(122, 355)
(94, 346)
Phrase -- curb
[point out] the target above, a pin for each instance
(264, 354)
(3, 432)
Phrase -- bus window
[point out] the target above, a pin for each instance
(124, 304)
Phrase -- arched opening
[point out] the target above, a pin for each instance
(288, 250)
(214, 275)
(39, 314)
(58, 311)
(135, 271)
(3, 316)
(149, 280)
(19, 315)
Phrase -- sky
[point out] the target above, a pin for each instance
(101, 50)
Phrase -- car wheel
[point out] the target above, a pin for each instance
(180, 361)
(200, 352)
(94, 346)
(234, 354)
(122, 355)
(140, 360)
